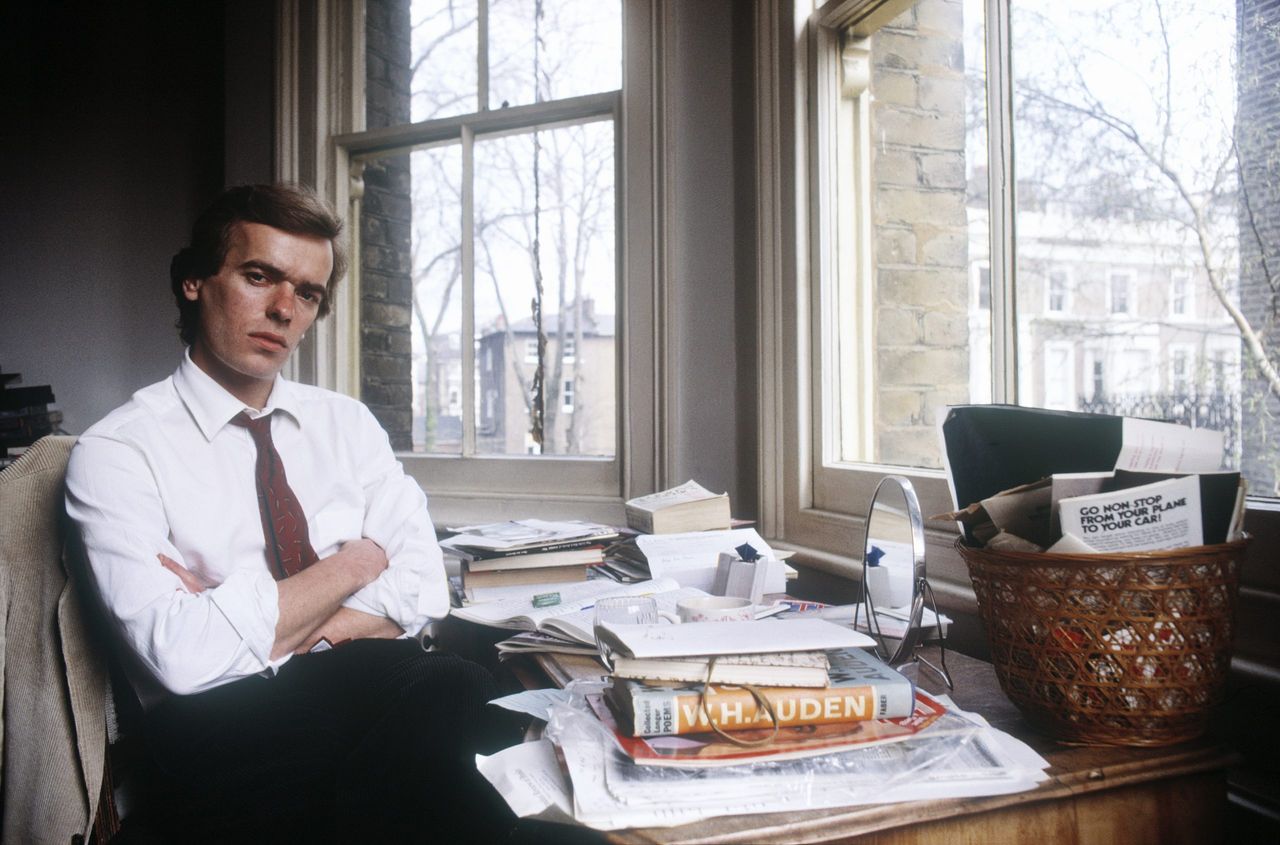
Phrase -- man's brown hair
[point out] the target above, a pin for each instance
(289, 208)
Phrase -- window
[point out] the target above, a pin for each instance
(1118, 293)
(910, 197)
(1181, 360)
(1180, 302)
(1056, 300)
(500, 219)
(567, 396)
(476, 154)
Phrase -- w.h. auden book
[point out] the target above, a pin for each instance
(862, 687)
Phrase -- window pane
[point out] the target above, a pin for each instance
(912, 227)
(1127, 180)
(573, 47)
(570, 242)
(436, 262)
(443, 51)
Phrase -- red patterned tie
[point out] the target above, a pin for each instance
(284, 525)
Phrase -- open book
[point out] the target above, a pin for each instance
(574, 617)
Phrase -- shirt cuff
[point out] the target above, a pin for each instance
(250, 600)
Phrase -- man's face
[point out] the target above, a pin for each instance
(256, 308)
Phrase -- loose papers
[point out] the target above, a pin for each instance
(609, 791)
(691, 558)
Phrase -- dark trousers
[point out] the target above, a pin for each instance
(374, 741)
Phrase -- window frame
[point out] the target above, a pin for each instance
(320, 134)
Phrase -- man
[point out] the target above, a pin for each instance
(264, 558)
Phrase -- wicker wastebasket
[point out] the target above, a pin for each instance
(1118, 649)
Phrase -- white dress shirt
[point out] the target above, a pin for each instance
(167, 473)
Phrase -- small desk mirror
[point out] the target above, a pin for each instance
(896, 596)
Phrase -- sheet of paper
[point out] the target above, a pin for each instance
(528, 778)
(691, 558)
(1151, 446)
(535, 702)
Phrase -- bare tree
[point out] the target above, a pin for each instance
(1166, 159)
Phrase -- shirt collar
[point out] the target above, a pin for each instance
(212, 407)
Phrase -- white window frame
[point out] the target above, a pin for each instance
(809, 501)
(320, 116)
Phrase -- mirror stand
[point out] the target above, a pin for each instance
(895, 589)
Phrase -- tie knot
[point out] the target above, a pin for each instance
(260, 428)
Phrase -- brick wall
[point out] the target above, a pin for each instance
(385, 274)
(920, 235)
(1257, 128)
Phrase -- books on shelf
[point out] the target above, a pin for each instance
(689, 507)
(784, 669)
(862, 688)
(707, 750)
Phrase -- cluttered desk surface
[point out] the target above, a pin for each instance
(1171, 794)
(694, 736)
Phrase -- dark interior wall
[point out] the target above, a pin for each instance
(111, 141)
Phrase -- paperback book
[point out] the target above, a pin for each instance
(689, 507)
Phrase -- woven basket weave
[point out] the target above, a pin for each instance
(1118, 649)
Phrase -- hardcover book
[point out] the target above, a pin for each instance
(862, 688)
(706, 750)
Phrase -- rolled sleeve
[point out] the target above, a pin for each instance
(413, 590)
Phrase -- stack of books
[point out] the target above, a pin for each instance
(810, 672)
(499, 559)
(803, 689)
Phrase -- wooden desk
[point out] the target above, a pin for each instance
(1093, 795)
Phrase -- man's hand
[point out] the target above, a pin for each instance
(364, 557)
(190, 581)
